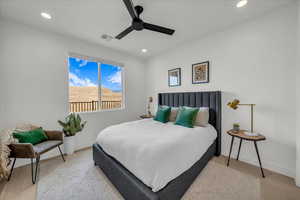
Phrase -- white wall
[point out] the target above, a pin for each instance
(34, 81)
(254, 62)
(298, 104)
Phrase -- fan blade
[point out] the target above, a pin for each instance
(160, 29)
(124, 33)
(130, 8)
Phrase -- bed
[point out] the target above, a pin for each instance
(132, 187)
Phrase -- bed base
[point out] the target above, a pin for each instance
(131, 188)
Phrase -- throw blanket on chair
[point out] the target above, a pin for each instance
(6, 138)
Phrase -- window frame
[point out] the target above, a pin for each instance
(99, 61)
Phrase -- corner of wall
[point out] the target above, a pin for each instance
(297, 179)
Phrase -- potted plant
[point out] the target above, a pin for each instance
(72, 125)
(236, 127)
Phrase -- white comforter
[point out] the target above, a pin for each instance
(154, 152)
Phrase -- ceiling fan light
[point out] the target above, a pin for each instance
(144, 50)
(241, 3)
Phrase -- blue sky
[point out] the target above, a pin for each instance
(85, 73)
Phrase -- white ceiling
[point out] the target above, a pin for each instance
(89, 19)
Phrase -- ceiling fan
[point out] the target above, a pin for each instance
(138, 24)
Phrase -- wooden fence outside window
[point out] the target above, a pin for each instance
(93, 106)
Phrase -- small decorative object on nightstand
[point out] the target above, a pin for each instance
(236, 127)
(241, 134)
(146, 116)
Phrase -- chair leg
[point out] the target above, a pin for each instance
(37, 167)
(12, 169)
(62, 155)
(34, 174)
(31, 159)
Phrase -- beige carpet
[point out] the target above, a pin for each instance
(79, 179)
(217, 182)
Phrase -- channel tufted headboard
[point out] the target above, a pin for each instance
(213, 100)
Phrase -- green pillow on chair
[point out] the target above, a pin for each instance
(186, 117)
(34, 136)
(162, 114)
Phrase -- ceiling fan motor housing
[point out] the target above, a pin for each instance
(137, 24)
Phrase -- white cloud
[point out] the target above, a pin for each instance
(74, 80)
(116, 78)
(83, 63)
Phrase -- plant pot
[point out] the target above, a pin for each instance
(236, 127)
(69, 145)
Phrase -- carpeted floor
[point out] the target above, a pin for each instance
(217, 182)
(79, 179)
(76, 179)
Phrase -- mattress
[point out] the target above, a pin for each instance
(154, 152)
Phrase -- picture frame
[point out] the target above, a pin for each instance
(200, 73)
(174, 77)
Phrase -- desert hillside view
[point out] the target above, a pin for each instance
(86, 99)
(86, 94)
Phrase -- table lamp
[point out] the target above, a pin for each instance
(234, 105)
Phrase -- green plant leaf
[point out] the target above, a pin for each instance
(72, 125)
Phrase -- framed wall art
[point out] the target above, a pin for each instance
(200, 73)
(174, 77)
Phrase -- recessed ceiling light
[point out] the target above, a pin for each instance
(144, 50)
(241, 3)
(46, 15)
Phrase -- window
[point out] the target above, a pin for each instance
(94, 85)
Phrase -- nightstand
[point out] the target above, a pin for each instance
(146, 116)
(242, 136)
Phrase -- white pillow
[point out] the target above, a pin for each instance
(202, 117)
(23, 127)
(173, 114)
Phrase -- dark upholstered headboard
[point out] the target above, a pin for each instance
(213, 100)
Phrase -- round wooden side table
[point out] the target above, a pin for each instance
(242, 136)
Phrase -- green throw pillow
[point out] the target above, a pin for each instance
(162, 114)
(34, 136)
(186, 117)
